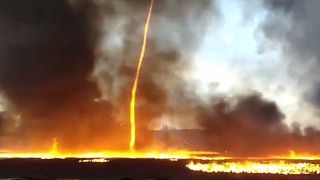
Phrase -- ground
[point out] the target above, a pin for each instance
(150, 169)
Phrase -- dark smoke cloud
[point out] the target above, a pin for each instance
(47, 55)
(252, 126)
(49, 50)
(282, 5)
(247, 126)
(67, 69)
(294, 26)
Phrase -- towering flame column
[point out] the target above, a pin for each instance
(136, 81)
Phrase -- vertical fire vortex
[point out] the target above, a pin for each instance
(136, 81)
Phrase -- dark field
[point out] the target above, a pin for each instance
(117, 169)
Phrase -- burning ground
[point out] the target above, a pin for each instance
(119, 169)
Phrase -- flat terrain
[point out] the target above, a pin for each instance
(117, 169)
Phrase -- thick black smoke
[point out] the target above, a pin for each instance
(49, 49)
(67, 69)
(243, 126)
(47, 55)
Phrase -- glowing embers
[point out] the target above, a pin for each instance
(97, 160)
(257, 167)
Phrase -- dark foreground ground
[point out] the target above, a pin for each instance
(117, 169)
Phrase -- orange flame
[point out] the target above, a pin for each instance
(136, 81)
(54, 148)
(266, 167)
(199, 161)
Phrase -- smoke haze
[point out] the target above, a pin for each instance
(67, 68)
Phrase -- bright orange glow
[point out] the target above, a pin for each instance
(97, 160)
(199, 161)
(265, 167)
(136, 81)
(172, 155)
(54, 147)
(294, 155)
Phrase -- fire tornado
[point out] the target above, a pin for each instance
(136, 81)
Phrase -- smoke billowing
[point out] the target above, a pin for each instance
(176, 31)
(293, 26)
(253, 126)
(47, 55)
(67, 68)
